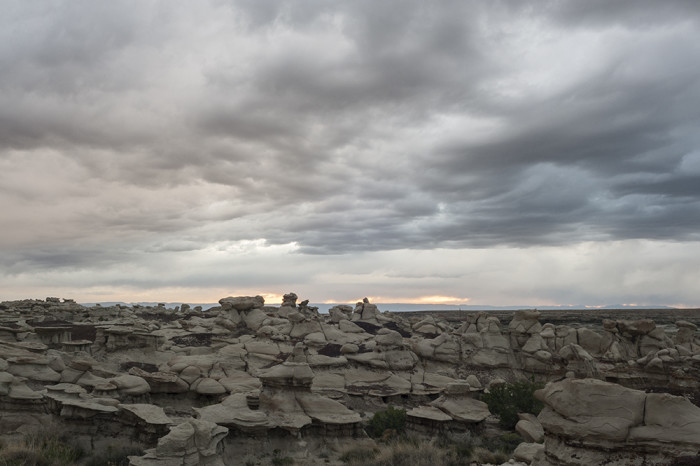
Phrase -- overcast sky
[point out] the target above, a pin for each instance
(481, 152)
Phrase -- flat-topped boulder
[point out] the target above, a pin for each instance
(148, 413)
(242, 303)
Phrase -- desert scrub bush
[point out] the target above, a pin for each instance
(278, 460)
(387, 424)
(505, 444)
(508, 399)
(113, 456)
(460, 451)
(45, 448)
(481, 455)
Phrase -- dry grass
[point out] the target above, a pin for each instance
(434, 452)
(408, 452)
(45, 448)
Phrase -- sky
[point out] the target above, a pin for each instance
(540, 152)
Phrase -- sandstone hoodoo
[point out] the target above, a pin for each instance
(249, 383)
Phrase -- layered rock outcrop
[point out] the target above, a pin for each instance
(291, 375)
(588, 421)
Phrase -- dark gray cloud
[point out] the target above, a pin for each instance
(137, 130)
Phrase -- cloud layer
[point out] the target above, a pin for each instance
(153, 132)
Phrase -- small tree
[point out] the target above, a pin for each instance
(393, 419)
(508, 399)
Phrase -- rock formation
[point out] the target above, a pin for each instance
(193, 386)
(588, 421)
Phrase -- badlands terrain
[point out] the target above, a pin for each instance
(248, 383)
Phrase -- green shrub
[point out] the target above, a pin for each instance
(392, 420)
(509, 399)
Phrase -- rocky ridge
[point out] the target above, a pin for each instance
(211, 387)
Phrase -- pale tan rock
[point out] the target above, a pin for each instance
(19, 390)
(462, 408)
(669, 419)
(190, 373)
(234, 411)
(191, 443)
(322, 361)
(161, 382)
(69, 375)
(474, 383)
(209, 386)
(529, 428)
(429, 412)
(262, 347)
(574, 352)
(534, 343)
(131, 385)
(328, 381)
(389, 338)
(241, 384)
(316, 340)
(88, 379)
(325, 410)
(589, 340)
(340, 312)
(590, 408)
(349, 327)
(254, 318)
(288, 374)
(301, 329)
(33, 368)
(150, 414)
(349, 348)
(242, 303)
(636, 327)
(425, 383)
(400, 360)
(526, 452)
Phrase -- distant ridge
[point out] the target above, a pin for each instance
(408, 307)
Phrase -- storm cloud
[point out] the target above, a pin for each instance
(167, 145)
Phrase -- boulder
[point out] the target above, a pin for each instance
(526, 452)
(590, 408)
(669, 419)
(208, 386)
(242, 303)
(530, 428)
(131, 385)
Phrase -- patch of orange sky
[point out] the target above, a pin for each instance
(435, 299)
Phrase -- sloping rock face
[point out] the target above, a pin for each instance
(193, 442)
(588, 421)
